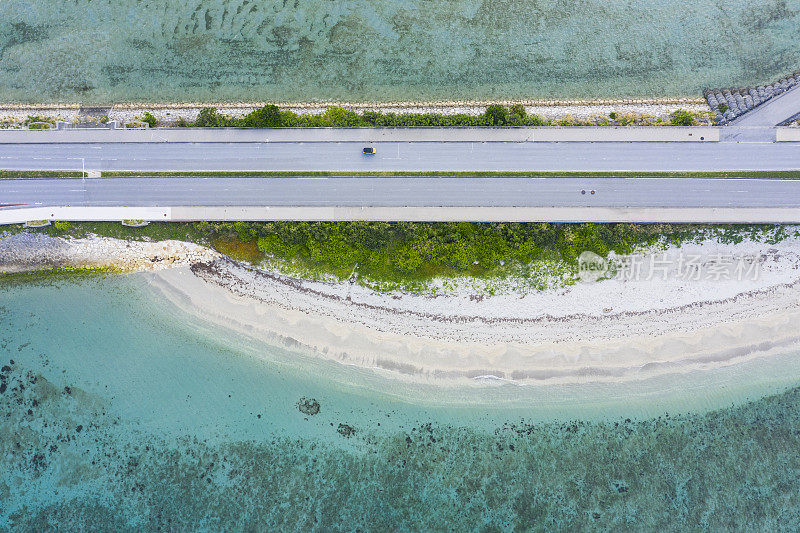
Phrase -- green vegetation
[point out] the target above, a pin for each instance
(53, 274)
(209, 117)
(496, 115)
(681, 117)
(722, 107)
(26, 174)
(766, 174)
(61, 225)
(267, 117)
(410, 255)
(40, 119)
(149, 119)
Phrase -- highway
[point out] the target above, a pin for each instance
(642, 192)
(406, 156)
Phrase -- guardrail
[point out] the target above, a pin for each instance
(366, 135)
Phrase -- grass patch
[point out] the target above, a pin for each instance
(782, 174)
(25, 174)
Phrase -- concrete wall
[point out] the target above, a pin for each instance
(787, 134)
(365, 135)
(476, 214)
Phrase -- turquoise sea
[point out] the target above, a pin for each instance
(107, 51)
(121, 413)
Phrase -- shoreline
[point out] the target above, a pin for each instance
(610, 331)
(171, 112)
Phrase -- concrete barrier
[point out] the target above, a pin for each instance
(363, 135)
(390, 214)
(627, 134)
(787, 134)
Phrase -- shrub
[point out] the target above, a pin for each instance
(245, 231)
(518, 109)
(104, 119)
(340, 117)
(61, 224)
(681, 117)
(613, 115)
(496, 115)
(32, 118)
(536, 120)
(149, 119)
(268, 116)
(723, 107)
(209, 117)
(516, 115)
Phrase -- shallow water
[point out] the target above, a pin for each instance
(119, 411)
(389, 50)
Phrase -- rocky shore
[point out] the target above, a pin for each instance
(166, 113)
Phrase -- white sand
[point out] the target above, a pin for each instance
(612, 330)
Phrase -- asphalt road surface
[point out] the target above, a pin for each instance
(416, 156)
(403, 192)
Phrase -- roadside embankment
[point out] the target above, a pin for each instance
(548, 109)
(365, 135)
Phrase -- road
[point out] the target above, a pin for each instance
(417, 156)
(404, 192)
(774, 111)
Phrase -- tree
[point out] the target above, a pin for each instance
(268, 116)
(496, 115)
(209, 117)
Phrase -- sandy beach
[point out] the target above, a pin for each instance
(611, 330)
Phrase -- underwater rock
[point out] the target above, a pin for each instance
(308, 406)
(346, 431)
(621, 487)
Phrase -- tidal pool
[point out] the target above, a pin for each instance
(107, 51)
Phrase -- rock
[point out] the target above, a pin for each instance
(346, 431)
(308, 406)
